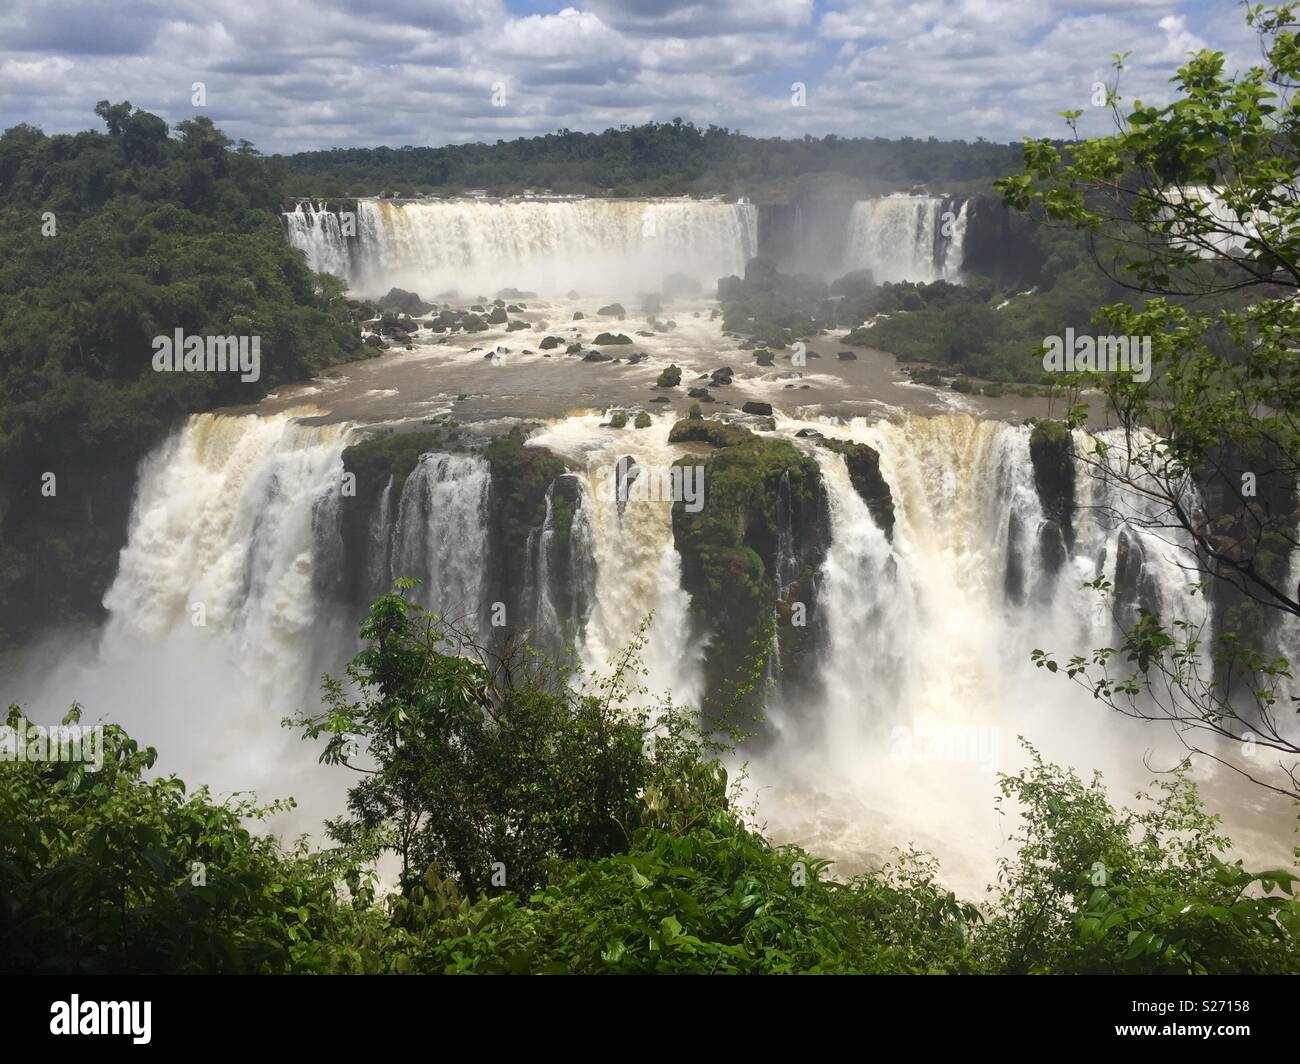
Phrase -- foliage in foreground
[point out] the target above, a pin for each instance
(98, 870)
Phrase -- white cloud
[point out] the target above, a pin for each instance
(295, 74)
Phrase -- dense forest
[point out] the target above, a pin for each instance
(656, 159)
(106, 241)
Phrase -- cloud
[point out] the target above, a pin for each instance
(298, 74)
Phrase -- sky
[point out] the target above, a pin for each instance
(292, 75)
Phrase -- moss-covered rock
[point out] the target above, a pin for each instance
(394, 454)
(670, 378)
(520, 477)
(759, 538)
(708, 430)
(863, 463)
(373, 463)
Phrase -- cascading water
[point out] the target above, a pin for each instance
(907, 238)
(548, 246)
(318, 232)
(440, 536)
(926, 677)
(637, 567)
(216, 626)
(560, 584)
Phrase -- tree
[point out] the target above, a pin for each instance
(105, 871)
(115, 115)
(1195, 207)
(487, 763)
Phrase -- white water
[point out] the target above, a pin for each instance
(240, 515)
(548, 246)
(928, 680)
(440, 536)
(638, 569)
(906, 238)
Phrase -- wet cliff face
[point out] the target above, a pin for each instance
(1051, 450)
(808, 232)
(521, 477)
(512, 513)
(58, 552)
(1001, 244)
(863, 463)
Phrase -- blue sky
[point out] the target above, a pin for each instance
(293, 74)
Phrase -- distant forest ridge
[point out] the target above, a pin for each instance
(659, 158)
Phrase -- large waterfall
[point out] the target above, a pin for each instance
(544, 245)
(227, 608)
(926, 677)
(907, 238)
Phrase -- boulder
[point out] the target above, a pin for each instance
(670, 378)
(406, 302)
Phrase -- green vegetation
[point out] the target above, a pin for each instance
(1213, 288)
(760, 490)
(520, 477)
(115, 872)
(983, 328)
(670, 377)
(659, 158)
(106, 241)
(550, 822)
(392, 455)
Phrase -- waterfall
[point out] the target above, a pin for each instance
(637, 567)
(226, 609)
(926, 675)
(317, 231)
(441, 536)
(218, 620)
(549, 246)
(1132, 537)
(561, 574)
(907, 238)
